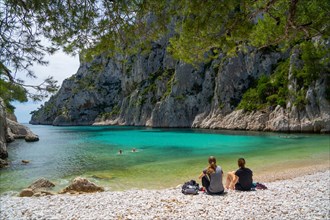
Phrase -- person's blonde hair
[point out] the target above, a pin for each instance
(212, 165)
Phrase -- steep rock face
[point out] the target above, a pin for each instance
(313, 117)
(11, 130)
(16, 130)
(156, 90)
(93, 90)
(3, 130)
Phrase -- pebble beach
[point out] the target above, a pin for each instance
(302, 197)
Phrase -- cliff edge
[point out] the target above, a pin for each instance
(156, 90)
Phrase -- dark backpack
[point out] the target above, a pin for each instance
(190, 187)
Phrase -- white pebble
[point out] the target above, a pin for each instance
(287, 199)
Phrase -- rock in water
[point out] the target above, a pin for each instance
(3, 163)
(16, 131)
(38, 188)
(82, 185)
(31, 138)
(41, 183)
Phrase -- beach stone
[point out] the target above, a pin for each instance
(41, 187)
(26, 193)
(25, 161)
(295, 202)
(3, 163)
(82, 185)
(41, 183)
(43, 193)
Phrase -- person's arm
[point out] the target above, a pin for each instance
(202, 174)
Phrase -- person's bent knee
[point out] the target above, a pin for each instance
(231, 174)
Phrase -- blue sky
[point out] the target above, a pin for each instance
(61, 66)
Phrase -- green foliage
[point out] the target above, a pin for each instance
(150, 86)
(114, 112)
(86, 83)
(287, 23)
(269, 91)
(300, 100)
(207, 26)
(197, 31)
(221, 105)
(140, 101)
(21, 47)
(203, 29)
(179, 97)
(169, 86)
(250, 101)
(10, 92)
(274, 91)
(49, 107)
(316, 58)
(167, 74)
(97, 67)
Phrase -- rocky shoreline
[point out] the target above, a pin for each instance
(10, 130)
(300, 197)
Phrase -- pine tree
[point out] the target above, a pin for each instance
(202, 30)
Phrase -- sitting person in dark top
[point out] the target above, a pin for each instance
(241, 179)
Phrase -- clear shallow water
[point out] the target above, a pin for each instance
(164, 157)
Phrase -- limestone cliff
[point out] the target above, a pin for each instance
(155, 90)
(10, 130)
(3, 129)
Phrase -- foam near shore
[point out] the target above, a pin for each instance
(304, 197)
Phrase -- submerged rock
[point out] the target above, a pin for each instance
(102, 177)
(25, 161)
(82, 185)
(3, 163)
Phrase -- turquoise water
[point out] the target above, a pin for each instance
(164, 157)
